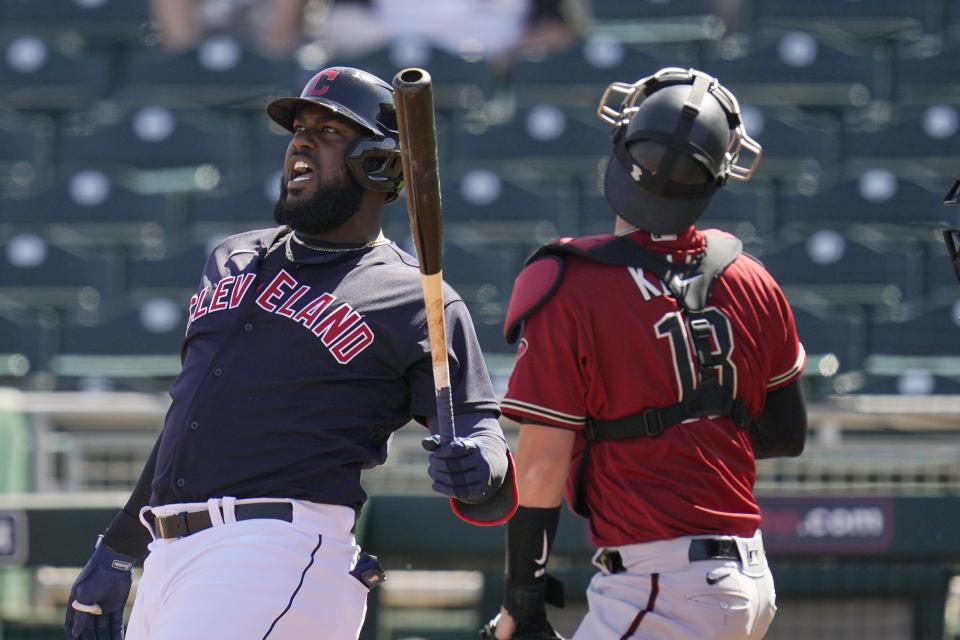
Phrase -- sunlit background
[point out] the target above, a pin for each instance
(133, 138)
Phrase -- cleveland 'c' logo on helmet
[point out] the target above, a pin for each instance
(321, 86)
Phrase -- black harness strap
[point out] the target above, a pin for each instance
(690, 285)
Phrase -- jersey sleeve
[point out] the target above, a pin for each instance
(470, 383)
(790, 358)
(548, 380)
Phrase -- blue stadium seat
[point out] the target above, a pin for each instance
(25, 151)
(876, 18)
(154, 328)
(248, 204)
(743, 210)
(35, 274)
(220, 72)
(843, 270)
(36, 73)
(924, 79)
(919, 142)
(107, 20)
(543, 142)
(455, 78)
(120, 140)
(484, 199)
(940, 282)
(912, 382)
(174, 275)
(824, 333)
(578, 76)
(89, 204)
(793, 143)
(876, 198)
(933, 332)
(29, 339)
(798, 70)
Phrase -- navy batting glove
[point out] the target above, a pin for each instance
(103, 586)
(459, 469)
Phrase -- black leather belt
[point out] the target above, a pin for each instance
(700, 549)
(183, 524)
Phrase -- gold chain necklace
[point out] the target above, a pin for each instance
(380, 239)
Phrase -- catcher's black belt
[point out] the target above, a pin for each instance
(700, 549)
(183, 524)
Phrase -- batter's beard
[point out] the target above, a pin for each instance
(328, 208)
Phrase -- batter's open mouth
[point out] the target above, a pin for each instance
(300, 172)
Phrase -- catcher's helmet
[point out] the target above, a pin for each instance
(373, 160)
(677, 138)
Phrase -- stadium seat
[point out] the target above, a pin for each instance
(919, 142)
(578, 76)
(38, 73)
(24, 346)
(220, 72)
(102, 20)
(174, 275)
(35, 274)
(876, 18)
(485, 204)
(249, 204)
(89, 205)
(543, 142)
(155, 327)
(933, 332)
(911, 382)
(483, 275)
(654, 21)
(798, 70)
(794, 144)
(25, 151)
(925, 78)
(833, 268)
(940, 282)
(743, 210)
(824, 334)
(120, 140)
(456, 79)
(877, 197)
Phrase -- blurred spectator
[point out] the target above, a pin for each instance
(493, 29)
(275, 27)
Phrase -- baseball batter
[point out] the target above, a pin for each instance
(306, 347)
(656, 364)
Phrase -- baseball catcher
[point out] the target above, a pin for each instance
(654, 365)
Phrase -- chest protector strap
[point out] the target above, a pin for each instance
(690, 285)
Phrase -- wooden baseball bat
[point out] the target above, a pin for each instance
(418, 153)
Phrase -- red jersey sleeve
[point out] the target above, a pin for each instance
(549, 375)
(787, 355)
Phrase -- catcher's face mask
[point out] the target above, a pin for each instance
(952, 236)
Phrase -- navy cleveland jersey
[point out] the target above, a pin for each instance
(296, 373)
(610, 343)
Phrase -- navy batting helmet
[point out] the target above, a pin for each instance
(677, 139)
(365, 99)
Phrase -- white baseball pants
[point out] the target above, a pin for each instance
(252, 579)
(663, 596)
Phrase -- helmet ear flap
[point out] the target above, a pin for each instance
(375, 164)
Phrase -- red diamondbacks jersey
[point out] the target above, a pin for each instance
(611, 343)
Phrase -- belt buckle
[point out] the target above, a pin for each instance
(609, 561)
(176, 518)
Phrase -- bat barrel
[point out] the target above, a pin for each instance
(418, 153)
(412, 80)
